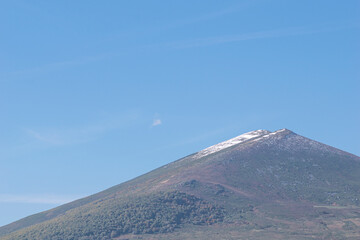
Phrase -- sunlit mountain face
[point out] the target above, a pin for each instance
(258, 185)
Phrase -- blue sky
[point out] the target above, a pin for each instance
(94, 93)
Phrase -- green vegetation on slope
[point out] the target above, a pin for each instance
(262, 186)
(155, 213)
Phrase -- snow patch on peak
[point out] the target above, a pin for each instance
(283, 130)
(231, 142)
(266, 136)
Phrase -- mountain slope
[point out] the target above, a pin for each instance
(279, 176)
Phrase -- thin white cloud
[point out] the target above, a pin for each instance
(59, 137)
(58, 65)
(47, 138)
(205, 17)
(81, 134)
(156, 122)
(287, 32)
(38, 198)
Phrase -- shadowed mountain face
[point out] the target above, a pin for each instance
(259, 185)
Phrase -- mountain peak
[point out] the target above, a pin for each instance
(255, 135)
(231, 142)
(284, 130)
(296, 182)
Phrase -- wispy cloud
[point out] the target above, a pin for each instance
(277, 33)
(64, 64)
(49, 67)
(205, 17)
(67, 136)
(52, 138)
(38, 198)
(57, 136)
(156, 122)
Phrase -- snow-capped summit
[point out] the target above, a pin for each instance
(231, 142)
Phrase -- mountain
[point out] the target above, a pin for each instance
(259, 185)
